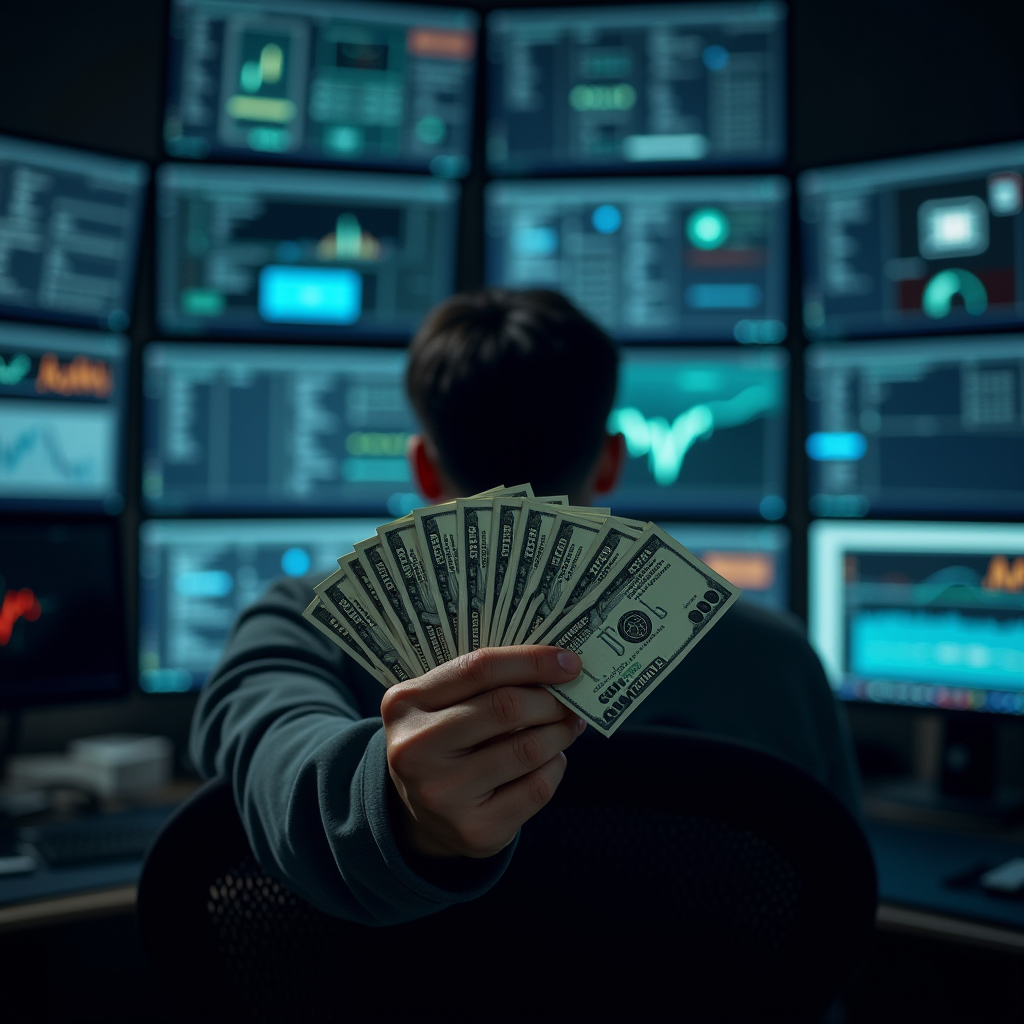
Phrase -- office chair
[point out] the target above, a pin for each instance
(674, 876)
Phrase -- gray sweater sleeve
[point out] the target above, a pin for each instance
(296, 727)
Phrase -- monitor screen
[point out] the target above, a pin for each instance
(62, 402)
(705, 432)
(920, 614)
(69, 234)
(61, 614)
(377, 84)
(197, 575)
(921, 426)
(650, 259)
(916, 245)
(282, 252)
(672, 85)
(234, 428)
(753, 558)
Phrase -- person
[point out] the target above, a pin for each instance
(384, 806)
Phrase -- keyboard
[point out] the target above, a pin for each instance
(104, 837)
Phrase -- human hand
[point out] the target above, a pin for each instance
(475, 746)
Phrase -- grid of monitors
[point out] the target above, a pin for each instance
(705, 432)
(275, 429)
(650, 259)
(286, 252)
(376, 84)
(197, 575)
(753, 558)
(917, 426)
(921, 614)
(69, 234)
(61, 613)
(672, 85)
(62, 408)
(918, 245)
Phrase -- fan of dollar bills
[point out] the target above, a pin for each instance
(505, 567)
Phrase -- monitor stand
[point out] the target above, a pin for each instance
(967, 780)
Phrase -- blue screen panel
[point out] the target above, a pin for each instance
(753, 558)
(705, 432)
(62, 406)
(650, 259)
(293, 253)
(318, 81)
(914, 246)
(616, 88)
(195, 576)
(69, 234)
(275, 429)
(920, 614)
(916, 426)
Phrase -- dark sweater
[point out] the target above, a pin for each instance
(295, 725)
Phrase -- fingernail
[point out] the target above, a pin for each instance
(570, 662)
(580, 725)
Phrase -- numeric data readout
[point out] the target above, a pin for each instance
(928, 244)
(932, 426)
(650, 259)
(62, 402)
(354, 84)
(705, 432)
(275, 429)
(617, 88)
(70, 223)
(286, 253)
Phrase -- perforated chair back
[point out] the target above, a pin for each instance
(673, 877)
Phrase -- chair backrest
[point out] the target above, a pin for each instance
(674, 876)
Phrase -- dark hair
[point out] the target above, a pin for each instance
(513, 386)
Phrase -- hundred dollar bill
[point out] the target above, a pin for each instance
(571, 539)
(437, 535)
(614, 541)
(340, 596)
(473, 530)
(402, 553)
(317, 613)
(370, 553)
(533, 526)
(633, 629)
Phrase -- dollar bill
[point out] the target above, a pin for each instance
(402, 553)
(437, 536)
(339, 594)
(633, 629)
(318, 614)
(614, 541)
(370, 553)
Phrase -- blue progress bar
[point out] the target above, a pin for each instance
(724, 296)
(310, 295)
(837, 446)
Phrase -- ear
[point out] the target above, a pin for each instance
(425, 470)
(610, 463)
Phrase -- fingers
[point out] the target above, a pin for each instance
(498, 712)
(489, 668)
(518, 755)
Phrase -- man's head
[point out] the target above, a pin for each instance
(512, 386)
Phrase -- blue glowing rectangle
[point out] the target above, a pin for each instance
(836, 446)
(724, 296)
(310, 295)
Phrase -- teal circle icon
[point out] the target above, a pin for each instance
(431, 130)
(937, 298)
(707, 229)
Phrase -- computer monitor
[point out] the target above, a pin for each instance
(195, 576)
(921, 614)
(377, 84)
(915, 245)
(753, 558)
(650, 259)
(275, 429)
(70, 238)
(674, 85)
(284, 253)
(705, 432)
(931, 426)
(61, 612)
(62, 403)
